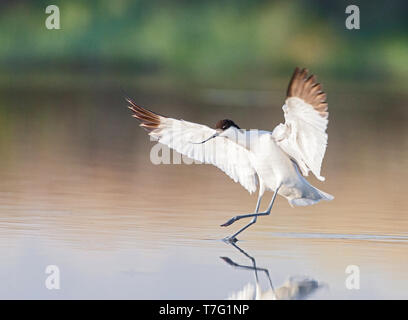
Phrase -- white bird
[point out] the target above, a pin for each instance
(273, 161)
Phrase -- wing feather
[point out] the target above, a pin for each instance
(303, 135)
(182, 135)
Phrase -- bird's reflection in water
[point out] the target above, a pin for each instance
(295, 288)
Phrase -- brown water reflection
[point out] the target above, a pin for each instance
(77, 189)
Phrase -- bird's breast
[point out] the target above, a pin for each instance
(271, 163)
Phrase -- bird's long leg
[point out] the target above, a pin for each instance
(236, 218)
(254, 215)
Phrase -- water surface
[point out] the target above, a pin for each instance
(78, 190)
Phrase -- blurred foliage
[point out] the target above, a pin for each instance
(206, 39)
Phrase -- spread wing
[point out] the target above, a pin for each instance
(303, 135)
(183, 137)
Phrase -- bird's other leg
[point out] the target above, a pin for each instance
(236, 218)
(254, 215)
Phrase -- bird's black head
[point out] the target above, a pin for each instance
(220, 127)
(225, 124)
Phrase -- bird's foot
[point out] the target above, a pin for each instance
(229, 222)
(230, 239)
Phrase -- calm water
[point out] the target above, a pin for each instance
(78, 190)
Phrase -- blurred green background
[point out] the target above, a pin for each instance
(204, 42)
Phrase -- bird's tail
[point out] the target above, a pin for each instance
(312, 196)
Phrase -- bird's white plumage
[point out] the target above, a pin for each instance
(303, 135)
(223, 153)
(274, 160)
